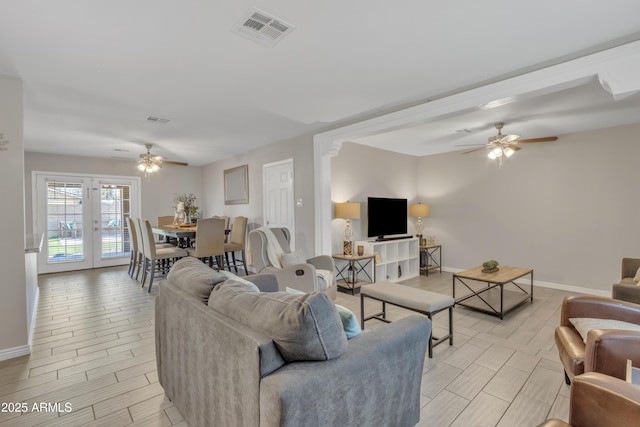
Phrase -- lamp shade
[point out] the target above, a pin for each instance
(419, 210)
(348, 210)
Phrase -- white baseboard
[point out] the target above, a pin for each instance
(551, 285)
(10, 353)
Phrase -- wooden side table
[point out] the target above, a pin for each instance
(355, 264)
(428, 259)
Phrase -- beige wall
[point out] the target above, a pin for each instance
(569, 209)
(358, 172)
(13, 295)
(157, 192)
(299, 149)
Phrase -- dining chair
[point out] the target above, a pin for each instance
(166, 220)
(226, 224)
(135, 250)
(210, 243)
(156, 260)
(237, 243)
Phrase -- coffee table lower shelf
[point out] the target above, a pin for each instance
(510, 300)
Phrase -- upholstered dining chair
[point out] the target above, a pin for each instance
(210, 243)
(166, 220)
(156, 260)
(226, 224)
(135, 250)
(237, 243)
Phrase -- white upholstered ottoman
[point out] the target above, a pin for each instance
(418, 300)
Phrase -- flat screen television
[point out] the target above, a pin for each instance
(386, 217)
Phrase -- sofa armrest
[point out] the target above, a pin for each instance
(607, 351)
(629, 267)
(376, 382)
(265, 282)
(626, 292)
(323, 262)
(300, 276)
(598, 400)
(598, 307)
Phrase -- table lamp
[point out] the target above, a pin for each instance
(348, 211)
(419, 210)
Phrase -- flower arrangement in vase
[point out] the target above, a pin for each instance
(185, 204)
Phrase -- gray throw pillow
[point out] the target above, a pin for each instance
(303, 327)
(195, 277)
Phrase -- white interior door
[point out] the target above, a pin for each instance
(279, 196)
(83, 220)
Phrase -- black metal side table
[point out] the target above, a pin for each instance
(356, 264)
(428, 260)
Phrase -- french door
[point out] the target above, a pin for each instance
(83, 219)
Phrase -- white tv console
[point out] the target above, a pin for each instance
(403, 253)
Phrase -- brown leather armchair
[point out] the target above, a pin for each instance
(606, 350)
(626, 289)
(598, 400)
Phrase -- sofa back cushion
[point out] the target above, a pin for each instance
(195, 277)
(303, 327)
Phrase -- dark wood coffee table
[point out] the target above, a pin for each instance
(491, 296)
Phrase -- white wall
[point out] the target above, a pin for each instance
(13, 297)
(157, 192)
(568, 209)
(299, 149)
(358, 172)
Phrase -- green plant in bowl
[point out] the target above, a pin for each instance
(490, 265)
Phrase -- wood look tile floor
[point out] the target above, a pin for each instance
(93, 350)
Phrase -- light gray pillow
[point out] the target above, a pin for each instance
(303, 327)
(584, 324)
(195, 277)
(293, 258)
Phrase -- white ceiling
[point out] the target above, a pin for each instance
(94, 70)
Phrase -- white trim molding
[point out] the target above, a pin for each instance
(615, 69)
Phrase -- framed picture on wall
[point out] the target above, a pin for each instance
(236, 185)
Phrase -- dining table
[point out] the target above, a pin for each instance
(183, 233)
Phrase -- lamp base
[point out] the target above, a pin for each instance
(347, 247)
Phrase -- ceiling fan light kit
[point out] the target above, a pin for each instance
(501, 146)
(151, 163)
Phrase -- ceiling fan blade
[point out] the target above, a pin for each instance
(532, 140)
(514, 147)
(506, 139)
(475, 149)
(169, 162)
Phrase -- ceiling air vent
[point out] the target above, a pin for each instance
(262, 27)
(159, 120)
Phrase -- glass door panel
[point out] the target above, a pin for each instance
(84, 219)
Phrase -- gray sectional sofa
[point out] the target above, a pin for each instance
(228, 355)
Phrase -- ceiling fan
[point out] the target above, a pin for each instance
(150, 163)
(500, 145)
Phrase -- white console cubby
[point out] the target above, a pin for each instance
(402, 253)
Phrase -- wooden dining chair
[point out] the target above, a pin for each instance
(156, 260)
(236, 244)
(210, 242)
